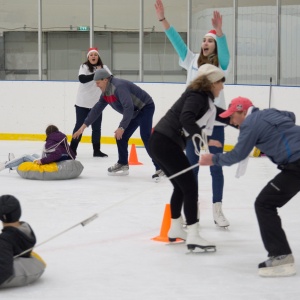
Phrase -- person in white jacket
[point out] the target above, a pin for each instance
(214, 50)
(87, 96)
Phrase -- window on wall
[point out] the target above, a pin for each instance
(68, 50)
(256, 42)
(290, 43)
(18, 50)
(254, 54)
(161, 62)
(159, 58)
(20, 56)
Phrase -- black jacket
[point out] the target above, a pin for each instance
(13, 242)
(190, 107)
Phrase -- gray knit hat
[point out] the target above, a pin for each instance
(101, 74)
(10, 209)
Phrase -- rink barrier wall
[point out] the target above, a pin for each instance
(28, 107)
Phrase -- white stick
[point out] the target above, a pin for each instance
(203, 140)
(83, 223)
(183, 171)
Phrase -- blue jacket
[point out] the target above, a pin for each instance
(123, 96)
(272, 131)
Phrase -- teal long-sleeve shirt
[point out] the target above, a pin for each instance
(181, 47)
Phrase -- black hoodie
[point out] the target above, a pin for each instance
(13, 241)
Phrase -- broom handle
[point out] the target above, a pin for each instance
(83, 223)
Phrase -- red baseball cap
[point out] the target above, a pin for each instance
(237, 104)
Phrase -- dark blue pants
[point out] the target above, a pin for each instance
(144, 121)
(281, 189)
(215, 171)
(81, 114)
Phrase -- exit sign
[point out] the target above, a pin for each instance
(83, 28)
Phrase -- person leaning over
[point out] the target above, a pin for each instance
(274, 133)
(192, 114)
(134, 104)
(16, 237)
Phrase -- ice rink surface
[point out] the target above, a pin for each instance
(114, 257)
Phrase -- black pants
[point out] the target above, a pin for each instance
(276, 193)
(172, 159)
(81, 114)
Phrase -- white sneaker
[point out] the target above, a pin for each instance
(195, 240)
(176, 230)
(118, 170)
(158, 175)
(277, 266)
(218, 215)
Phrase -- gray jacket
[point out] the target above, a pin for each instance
(272, 131)
(123, 96)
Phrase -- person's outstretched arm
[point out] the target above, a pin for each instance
(223, 51)
(173, 36)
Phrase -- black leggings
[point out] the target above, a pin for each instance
(172, 159)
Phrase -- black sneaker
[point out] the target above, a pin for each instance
(277, 266)
(98, 153)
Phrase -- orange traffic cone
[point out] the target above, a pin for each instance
(165, 226)
(133, 160)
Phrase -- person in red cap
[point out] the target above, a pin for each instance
(213, 50)
(87, 96)
(275, 133)
(17, 237)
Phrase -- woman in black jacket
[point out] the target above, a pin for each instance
(193, 113)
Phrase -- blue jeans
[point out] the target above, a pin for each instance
(144, 121)
(19, 160)
(215, 171)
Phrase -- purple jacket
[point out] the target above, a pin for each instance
(57, 148)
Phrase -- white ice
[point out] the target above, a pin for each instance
(114, 256)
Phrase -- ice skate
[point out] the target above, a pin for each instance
(159, 174)
(118, 170)
(277, 266)
(194, 240)
(219, 218)
(11, 156)
(176, 230)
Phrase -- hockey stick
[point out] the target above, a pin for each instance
(83, 223)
